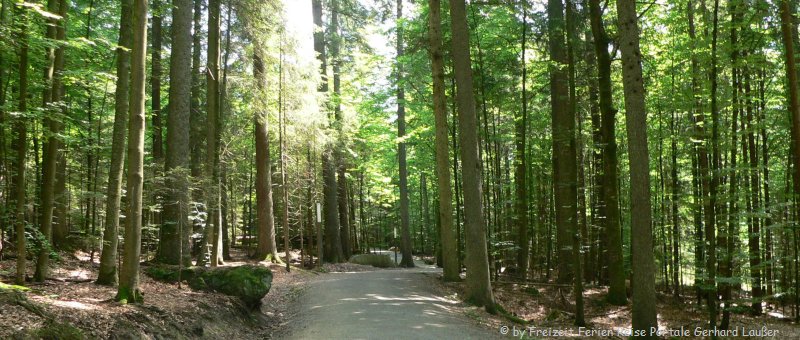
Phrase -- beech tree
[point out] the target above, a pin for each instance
(128, 291)
(108, 258)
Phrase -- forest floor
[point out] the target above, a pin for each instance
(341, 300)
(69, 305)
(542, 308)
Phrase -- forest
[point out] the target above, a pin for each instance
(604, 168)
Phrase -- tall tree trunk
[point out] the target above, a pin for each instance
(333, 246)
(608, 181)
(592, 267)
(407, 260)
(675, 199)
(129, 276)
(176, 227)
(710, 232)
(341, 166)
(520, 163)
(223, 176)
(195, 115)
(50, 157)
(282, 162)
(479, 288)
(788, 29)
(768, 256)
(642, 262)
(730, 234)
(213, 224)
(702, 250)
(20, 144)
(577, 280)
(4, 81)
(267, 249)
(447, 233)
(155, 80)
(563, 135)
(754, 239)
(108, 258)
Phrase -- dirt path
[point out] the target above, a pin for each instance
(385, 304)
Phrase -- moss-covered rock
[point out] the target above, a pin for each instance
(375, 260)
(169, 273)
(249, 283)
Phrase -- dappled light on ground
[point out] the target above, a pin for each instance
(390, 303)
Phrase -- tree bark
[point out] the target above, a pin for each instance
(479, 288)
(710, 231)
(793, 95)
(563, 134)
(447, 233)
(195, 115)
(128, 291)
(155, 80)
(577, 280)
(282, 163)
(267, 249)
(50, 156)
(108, 258)
(213, 224)
(176, 227)
(341, 166)
(608, 181)
(754, 239)
(20, 145)
(520, 163)
(332, 246)
(702, 250)
(408, 260)
(642, 262)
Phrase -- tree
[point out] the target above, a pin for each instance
(213, 224)
(267, 249)
(108, 257)
(128, 291)
(20, 144)
(520, 164)
(195, 115)
(155, 81)
(175, 229)
(333, 246)
(479, 289)
(793, 90)
(564, 153)
(407, 260)
(447, 233)
(341, 166)
(577, 279)
(51, 154)
(282, 161)
(608, 179)
(643, 266)
(710, 231)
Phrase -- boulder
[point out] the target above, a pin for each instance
(375, 260)
(249, 283)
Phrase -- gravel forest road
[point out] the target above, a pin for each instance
(381, 304)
